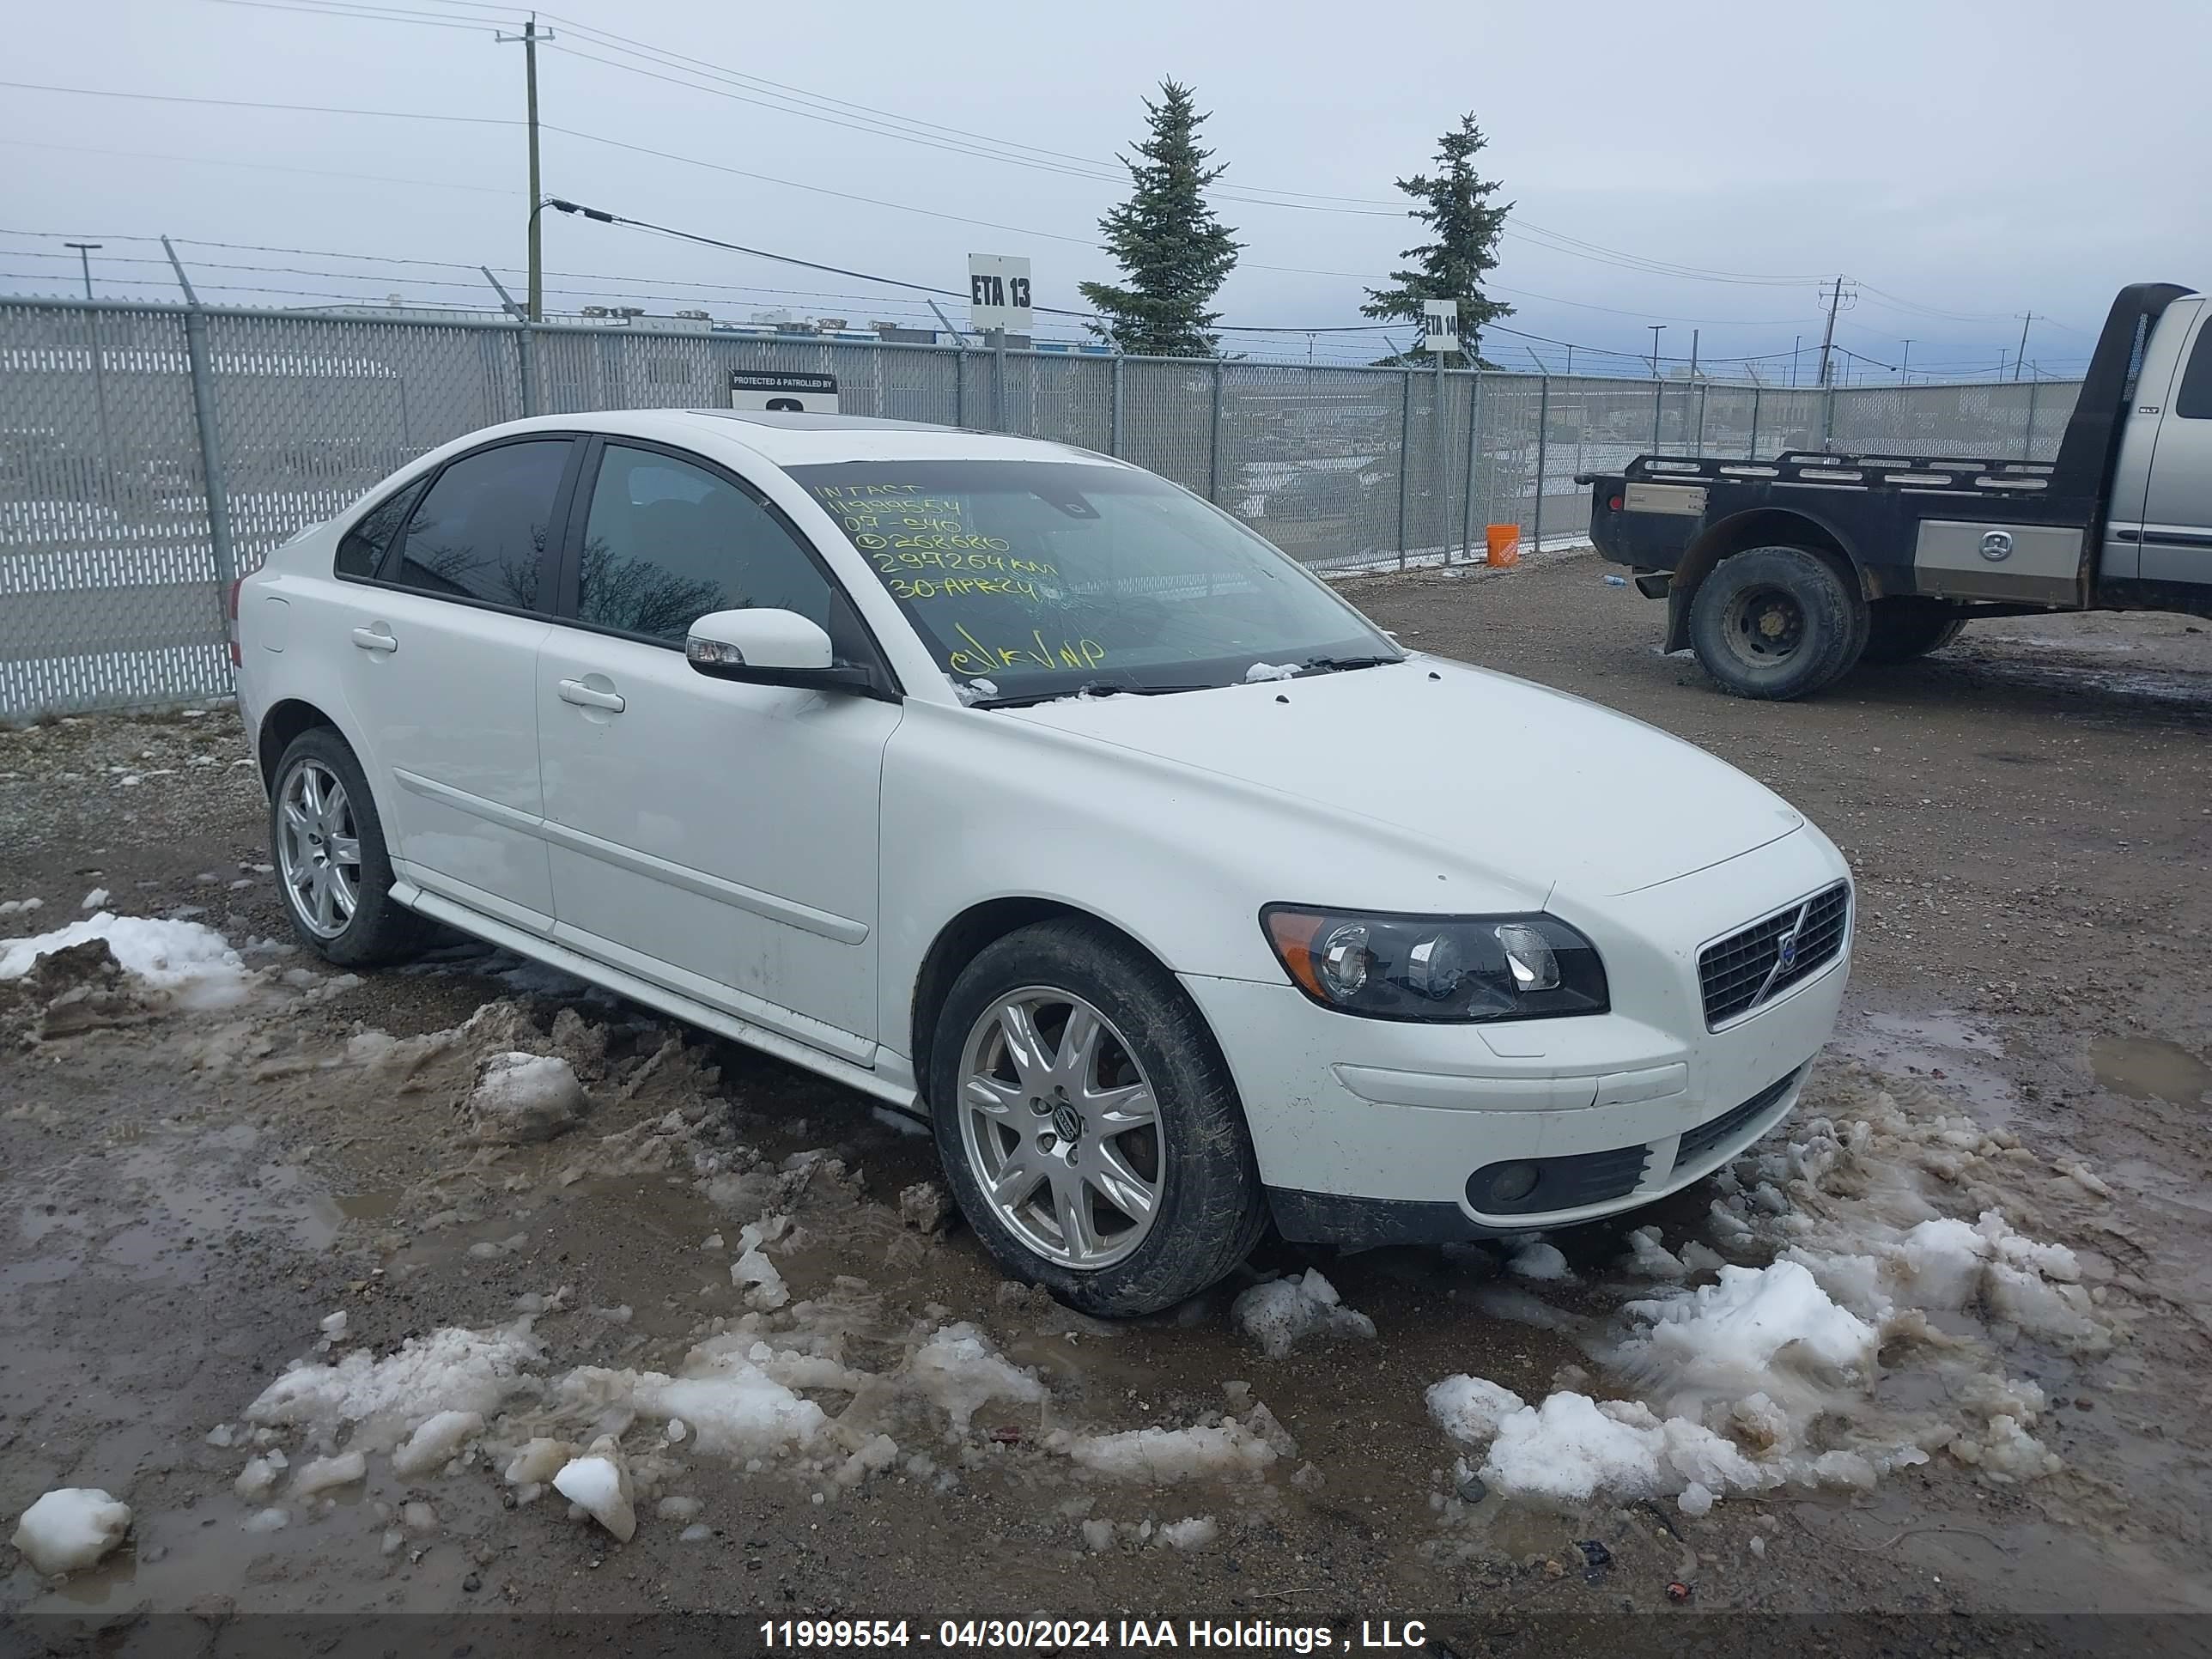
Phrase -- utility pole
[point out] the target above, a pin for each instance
(1904, 379)
(1828, 339)
(1656, 329)
(2025, 320)
(531, 35)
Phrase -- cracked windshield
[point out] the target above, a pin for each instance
(1031, 579)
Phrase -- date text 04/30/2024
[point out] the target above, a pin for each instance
(1104, 1634)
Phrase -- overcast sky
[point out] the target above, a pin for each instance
(1949, 157)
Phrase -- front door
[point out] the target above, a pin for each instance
(717, 839)
(440, 645)
(2177, 519)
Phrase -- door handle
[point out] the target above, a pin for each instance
(370, 640)
(587, 696)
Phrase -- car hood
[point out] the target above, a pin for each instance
(1555, 789)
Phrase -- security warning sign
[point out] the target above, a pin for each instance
(785, 393)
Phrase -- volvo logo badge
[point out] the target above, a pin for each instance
(1788, 953)
(1997, 546)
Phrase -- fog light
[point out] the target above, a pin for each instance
(1511, 1182)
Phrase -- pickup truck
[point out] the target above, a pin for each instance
(1783, 576)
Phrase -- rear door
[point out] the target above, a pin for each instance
(2177, 518)
(440, 646)
(716, 839)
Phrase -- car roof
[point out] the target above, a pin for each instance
(790, 439)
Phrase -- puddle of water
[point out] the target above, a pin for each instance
(2151, 1068)
(1941, 1046)
(367, 1206)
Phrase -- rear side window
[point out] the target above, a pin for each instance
(363, 547)
(667, 542)
(2194, 401)
(482, 531)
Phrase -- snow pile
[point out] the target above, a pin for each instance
(71, 1528)
(752, 1272)
(728, 1403)
(1756, 1329)
(598, 1483)
(1196, 1533)
(523, 1097)
(434, 1442)
(1766, 1376)
(321, 1474)
(1533, 1258)
(1260, 672)
(192, 963)
(1164, 1457)
(451, 1371)
(1470, 1408)
(958, 1370)
(1283, 1312)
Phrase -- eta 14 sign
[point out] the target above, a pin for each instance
(998, 293)
(1440, 326)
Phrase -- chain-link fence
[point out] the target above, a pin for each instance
(148, 455)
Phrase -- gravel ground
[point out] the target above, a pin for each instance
(190, 1192)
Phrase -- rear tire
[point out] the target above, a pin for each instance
(1778, 623)
(326, 841)
(1899, 629)
(1072, 1084)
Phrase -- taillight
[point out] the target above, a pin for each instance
(237, 659)
(1614, 506)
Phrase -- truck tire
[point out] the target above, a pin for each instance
(1088, 1124)
(1778, 623)
(1899, 629)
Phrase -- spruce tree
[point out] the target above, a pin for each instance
(1456, 206)
(1175, 252)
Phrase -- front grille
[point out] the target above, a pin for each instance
(1564, 1183)
(1697, 1143)
(1746, 968)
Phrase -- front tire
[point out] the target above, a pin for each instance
(1910, 626)
(1778, 623)
(1088, 1125)
(327, 843)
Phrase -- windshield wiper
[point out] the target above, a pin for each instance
(1089, 688)
(1334, 665)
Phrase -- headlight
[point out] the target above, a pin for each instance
(1449, 969)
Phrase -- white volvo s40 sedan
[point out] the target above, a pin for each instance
(1025, 791)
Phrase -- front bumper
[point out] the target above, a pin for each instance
(1371, 1132)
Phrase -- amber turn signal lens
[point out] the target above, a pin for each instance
(1292, 934)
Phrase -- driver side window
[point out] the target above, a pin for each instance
(667, 542)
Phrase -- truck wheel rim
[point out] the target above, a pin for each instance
(1764, 626)
(1060, 1128)
(318, 849)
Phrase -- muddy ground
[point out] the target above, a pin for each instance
(186, 1195)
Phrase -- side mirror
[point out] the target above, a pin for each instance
(768, 648)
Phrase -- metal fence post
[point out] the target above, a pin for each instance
(1114, 415)
(214, 489)
(997, 379)
(1751, 449)
(1701, 390)
(1474, 426)
(1404, 453)
(1543, 436)
(2027, 438)
(1213, 443)
(525, 357)
(1658, 408)
(1828, 419)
